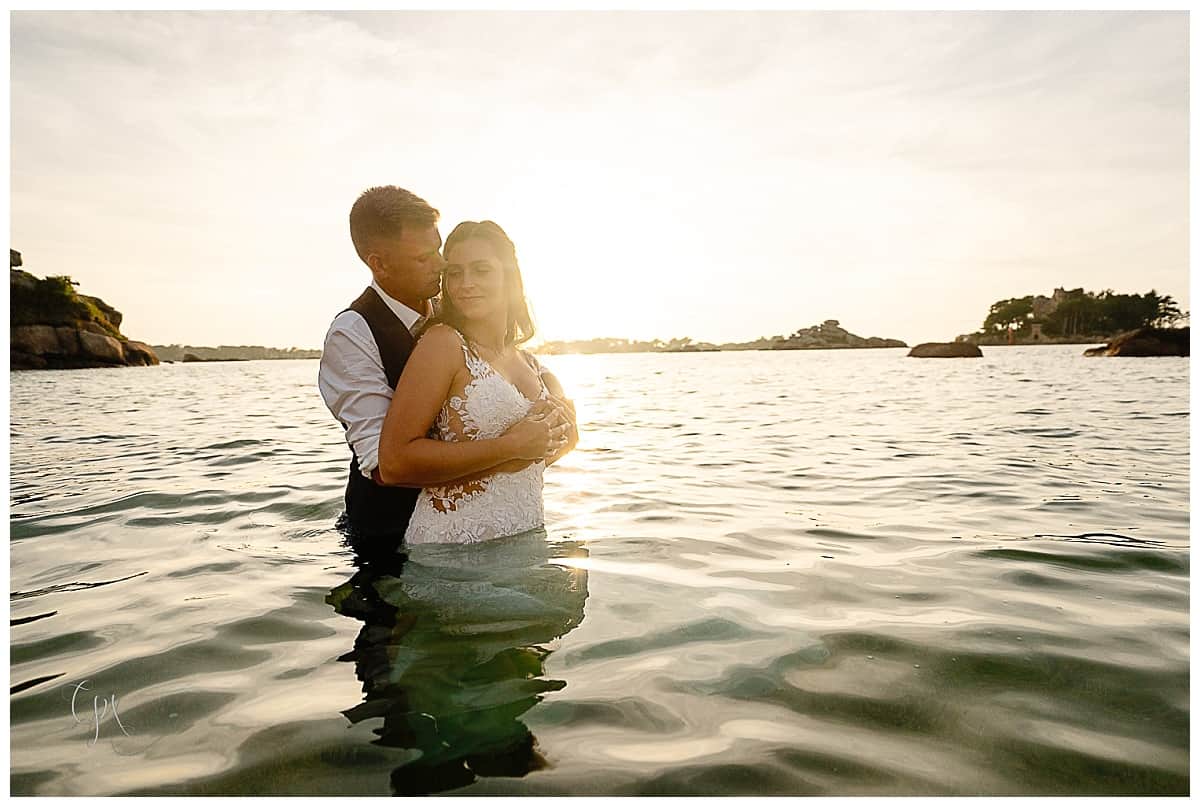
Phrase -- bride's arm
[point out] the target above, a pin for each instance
(408, 457)
(510, 467)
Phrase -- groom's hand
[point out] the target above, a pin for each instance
(566, 436)
(566, 413)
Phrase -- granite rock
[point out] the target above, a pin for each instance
(36, 339)
(946, 350)
(104, 348)
(54, 327)
(68, 340)
(139, 353)
(1147, 342)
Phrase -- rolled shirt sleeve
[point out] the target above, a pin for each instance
(354, 387)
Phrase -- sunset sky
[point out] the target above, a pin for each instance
(718, 175)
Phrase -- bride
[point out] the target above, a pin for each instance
(467, 380)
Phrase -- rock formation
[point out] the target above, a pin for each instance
(1147, 342)
(946, 350)
(830, 334)
(54, 327)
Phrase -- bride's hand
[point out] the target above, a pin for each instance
(533, 435)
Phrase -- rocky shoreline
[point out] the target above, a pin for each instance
(53, 327)
(1148, 342)
(828, 335)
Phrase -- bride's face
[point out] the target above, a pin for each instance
(474, 280)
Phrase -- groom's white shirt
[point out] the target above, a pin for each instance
(352, 380)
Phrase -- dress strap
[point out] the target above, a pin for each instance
(537, 367)
(477, 366)
(533, 363)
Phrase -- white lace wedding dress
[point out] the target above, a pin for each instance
(493, 506)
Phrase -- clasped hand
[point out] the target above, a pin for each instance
(546, 431)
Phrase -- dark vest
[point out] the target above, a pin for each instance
(378, 515)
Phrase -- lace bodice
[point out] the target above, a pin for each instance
(487, 405)
(489, 506)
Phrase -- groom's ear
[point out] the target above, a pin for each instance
(374, 262)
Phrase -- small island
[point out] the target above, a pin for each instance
(54, 327)
(1074, 317)
(829, 335)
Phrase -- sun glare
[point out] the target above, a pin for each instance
(583, 269)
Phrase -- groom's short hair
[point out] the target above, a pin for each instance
(383, 212)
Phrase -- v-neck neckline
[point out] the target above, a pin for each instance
(541, 385)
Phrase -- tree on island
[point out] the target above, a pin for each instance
(1013, 314)
(1079, 313)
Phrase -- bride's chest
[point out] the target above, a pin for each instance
(486, 405)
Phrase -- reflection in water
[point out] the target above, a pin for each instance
(797, 585)
(452, 652)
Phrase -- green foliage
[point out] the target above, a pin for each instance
(1108, 313)
(59, 284)
(1014, 313)
(1167, 311)
(1086, 314)
(1079, 314)
(52, 301)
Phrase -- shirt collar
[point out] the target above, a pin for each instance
(402, 312)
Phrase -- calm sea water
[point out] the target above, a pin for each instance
(762, 573)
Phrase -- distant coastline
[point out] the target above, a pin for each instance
(54, 327)
(191, 353)
(829, 335)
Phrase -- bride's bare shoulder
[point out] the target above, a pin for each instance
(440, 336)
(440, 343)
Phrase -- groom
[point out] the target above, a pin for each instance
(395, 234)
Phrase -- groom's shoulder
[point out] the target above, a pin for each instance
(348, 320)
(348, 331)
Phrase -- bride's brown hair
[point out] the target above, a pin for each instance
(520, 324)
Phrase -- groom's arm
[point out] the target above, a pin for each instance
(354, 386)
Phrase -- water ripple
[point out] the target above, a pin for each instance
(791, 573)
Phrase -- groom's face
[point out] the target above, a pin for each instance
(409, 267)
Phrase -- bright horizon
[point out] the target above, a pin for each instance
(722, 176)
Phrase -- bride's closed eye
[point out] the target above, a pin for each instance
(478, 269)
